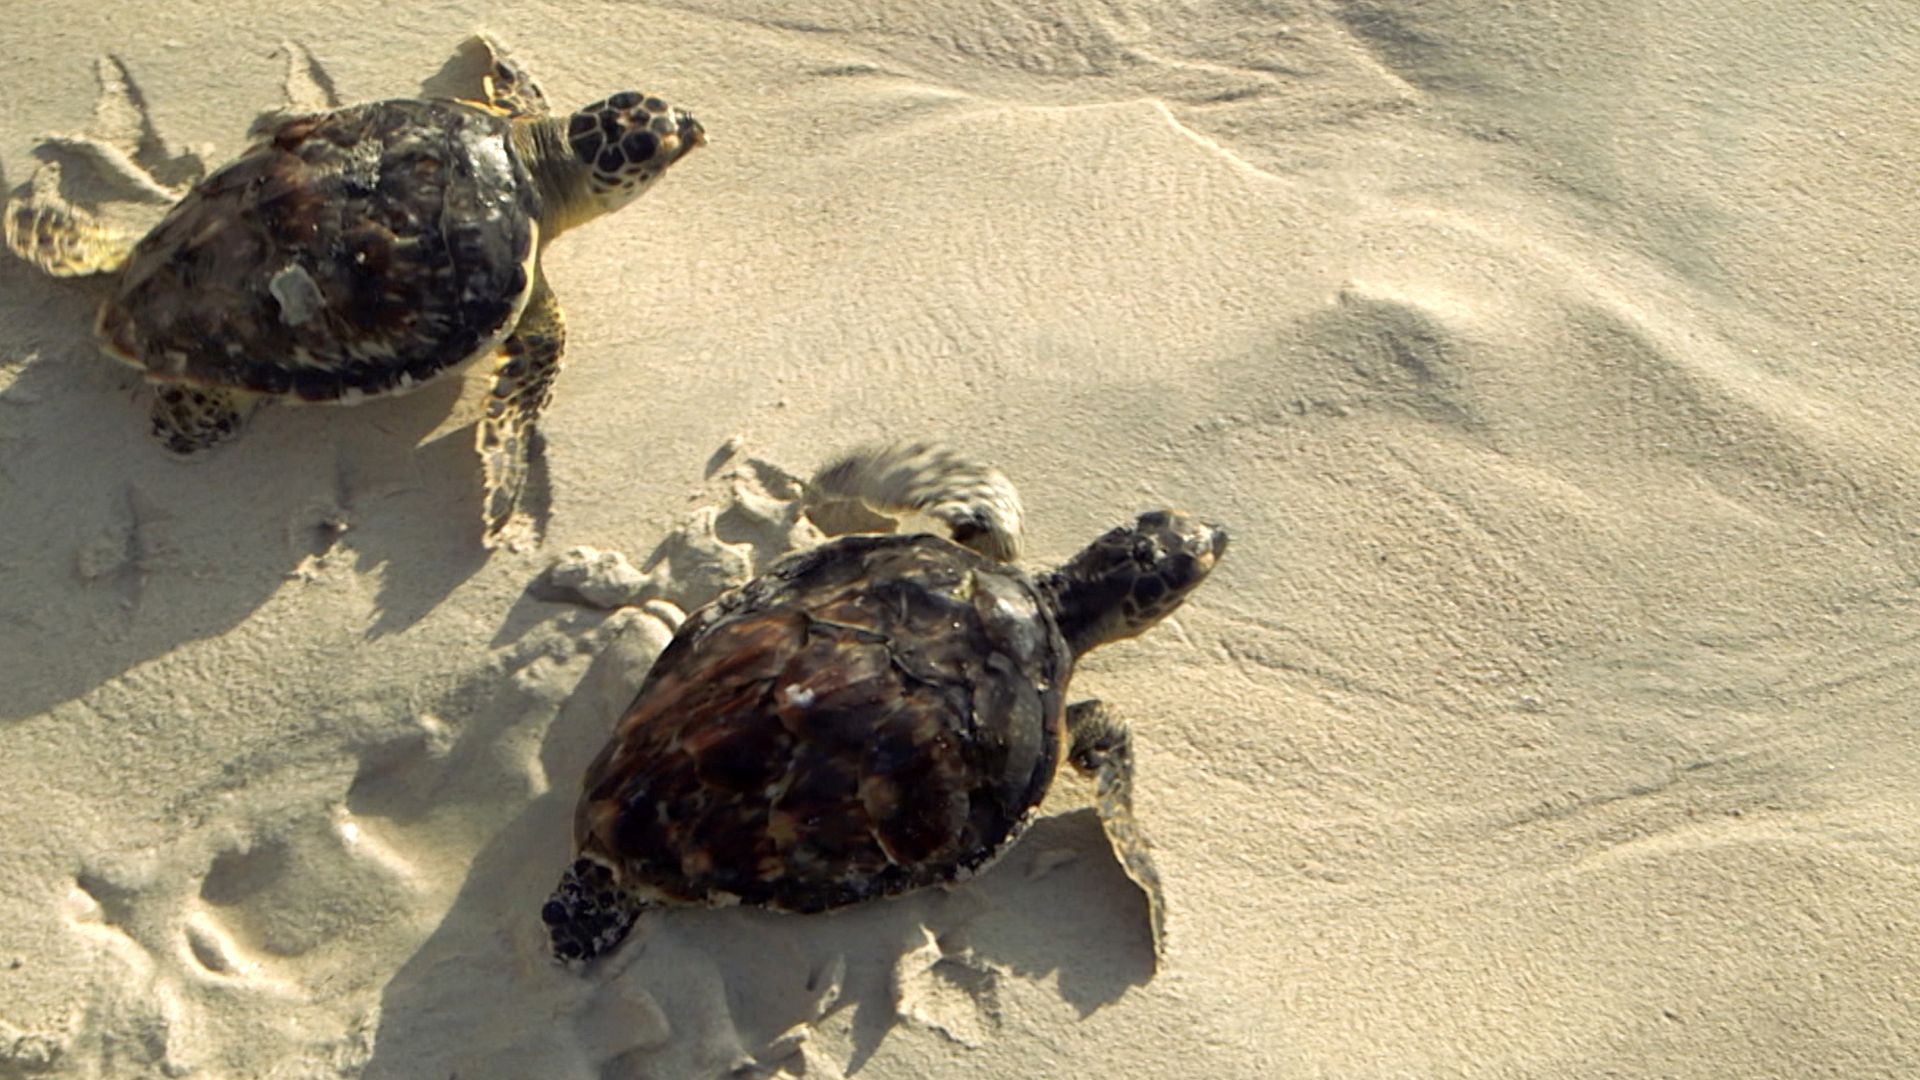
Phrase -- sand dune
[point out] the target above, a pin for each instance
(1552, 366)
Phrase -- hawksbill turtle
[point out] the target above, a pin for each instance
(871, 716)
(353, 252)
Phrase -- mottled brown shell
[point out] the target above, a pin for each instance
(874, 715)
(358, 251)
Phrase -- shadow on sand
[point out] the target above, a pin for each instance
(117, 553)
(702, 993)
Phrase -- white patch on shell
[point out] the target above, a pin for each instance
(798, 696)
(494, 183)
(298, 294)
(1015, 609)
(496, 168)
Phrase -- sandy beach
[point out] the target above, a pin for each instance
(1551, 716)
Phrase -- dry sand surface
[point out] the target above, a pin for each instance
(1553, 364)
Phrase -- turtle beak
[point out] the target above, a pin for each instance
(691, 133)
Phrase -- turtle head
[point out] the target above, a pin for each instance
(625, 142)
(1133, 577)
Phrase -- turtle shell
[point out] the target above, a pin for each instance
(359, 251)
(874, 715)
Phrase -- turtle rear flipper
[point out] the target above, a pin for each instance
(1103, 749)
(588, 913)
(188, 419)
(976, 501)
(62, 239)
(521, 385)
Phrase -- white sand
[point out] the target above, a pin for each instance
(1551, 716)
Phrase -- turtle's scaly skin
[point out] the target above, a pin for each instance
(360, 251)
(868, 718)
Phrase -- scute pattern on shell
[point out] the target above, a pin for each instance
(362, 250)
(870, 717)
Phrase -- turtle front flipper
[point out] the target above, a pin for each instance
(1102, 749)
(507, 85)
(588, 913)
(188, 419)
(976, 501)
(521, 385)
(62, 239)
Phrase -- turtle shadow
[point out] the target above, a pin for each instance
(115, 555)
(405, 498)
(702, 993)
(1061, 905)
(118, 553)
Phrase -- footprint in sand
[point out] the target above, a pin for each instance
(397, 777)
(285, 894)
(952, 993)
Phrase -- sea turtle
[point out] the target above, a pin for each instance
(872, 715)
(366, 250)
